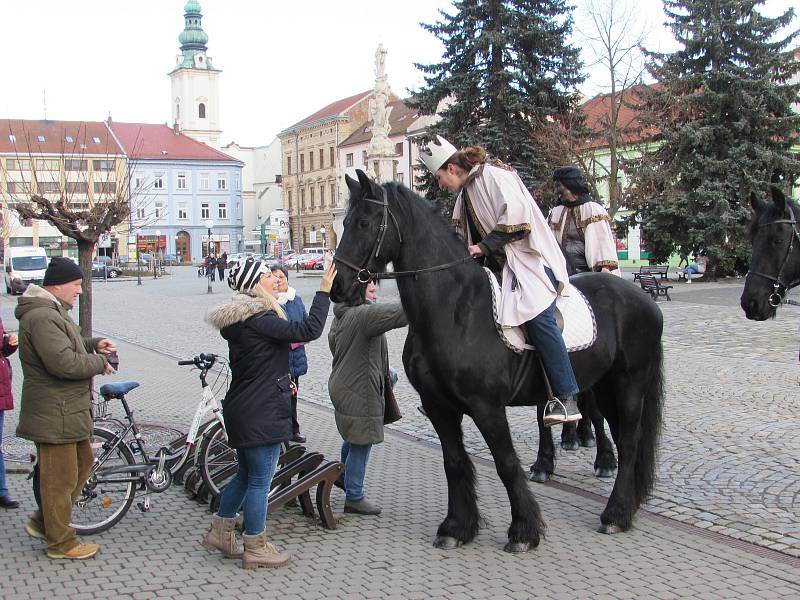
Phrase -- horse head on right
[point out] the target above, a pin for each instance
(775, 261)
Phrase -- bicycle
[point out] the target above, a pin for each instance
(117, 475)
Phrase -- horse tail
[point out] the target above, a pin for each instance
(650, 428)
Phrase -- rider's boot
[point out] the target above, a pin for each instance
(221, 537)
(258, 552)
(556, 411)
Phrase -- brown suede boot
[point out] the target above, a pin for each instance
(258, 552)
(221, 537)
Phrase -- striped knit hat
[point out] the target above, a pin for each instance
(244, 276)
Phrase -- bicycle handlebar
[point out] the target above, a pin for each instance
(185, 362)
(204, 361)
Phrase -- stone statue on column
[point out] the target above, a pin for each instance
(380, 149)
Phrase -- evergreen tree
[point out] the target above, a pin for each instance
(724, 109)
(506, 72)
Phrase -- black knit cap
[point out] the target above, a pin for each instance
(61, 270)
(572, 178)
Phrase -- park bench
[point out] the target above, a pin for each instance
(660, 270)
(652, 286)
(695, 276)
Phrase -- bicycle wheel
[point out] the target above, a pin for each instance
(105, 498)
(216, 460)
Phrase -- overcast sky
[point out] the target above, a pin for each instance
(280, 61)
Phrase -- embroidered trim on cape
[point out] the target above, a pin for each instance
(513, 228)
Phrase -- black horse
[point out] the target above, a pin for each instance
(775, 262)
(456, 361)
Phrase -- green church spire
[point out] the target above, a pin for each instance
(193, 39)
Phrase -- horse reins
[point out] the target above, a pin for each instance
(777, 296)
(364, 275)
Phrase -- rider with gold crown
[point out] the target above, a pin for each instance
(500, 222)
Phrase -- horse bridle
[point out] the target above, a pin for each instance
(777, 296)
(364, 275)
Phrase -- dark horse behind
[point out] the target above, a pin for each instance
(775, 261)
(456, 361)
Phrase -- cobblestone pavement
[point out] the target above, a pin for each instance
(728, 465)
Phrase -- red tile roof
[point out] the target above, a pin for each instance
(598, 113)
(400, 119)
(145, 140)
(333, 109)
(53, 137)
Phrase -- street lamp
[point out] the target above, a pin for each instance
(209, 224)
(323, 231)
(138, 262)
(155, 254)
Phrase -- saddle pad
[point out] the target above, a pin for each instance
(576, 320)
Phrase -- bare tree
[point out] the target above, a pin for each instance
(80, 192)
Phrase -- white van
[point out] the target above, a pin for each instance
(24, 265)
(314, 251)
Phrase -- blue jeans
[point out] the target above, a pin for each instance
(355, 457)
(544, 334)
(692, 269)
(250, 486)
(3, 488)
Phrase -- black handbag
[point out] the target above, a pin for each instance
(391, 410)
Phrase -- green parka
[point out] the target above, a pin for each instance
(58, 364)
(360, 362)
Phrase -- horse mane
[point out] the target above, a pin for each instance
(772, 212)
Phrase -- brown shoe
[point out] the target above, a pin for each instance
(258, 552)
(33, 530)
(79, 552)
(221, 537)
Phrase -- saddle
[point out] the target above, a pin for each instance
(574, 316)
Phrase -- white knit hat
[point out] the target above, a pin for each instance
(244, 276)
(436, 154)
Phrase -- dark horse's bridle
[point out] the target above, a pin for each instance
(777, 295)
(364, 275)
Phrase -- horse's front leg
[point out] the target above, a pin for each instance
(527, 526)
(544, 466)
(461, 523)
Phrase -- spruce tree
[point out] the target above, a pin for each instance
(724, 109)
(507, 71)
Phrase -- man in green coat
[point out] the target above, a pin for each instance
(358, 374)
(58, 364)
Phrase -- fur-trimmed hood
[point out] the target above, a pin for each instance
(239, 309)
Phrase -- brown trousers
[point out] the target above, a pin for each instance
(63, 469)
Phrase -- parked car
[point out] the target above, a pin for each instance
(298, 258)
(236, 257)
(111, 272)
(171, 260)
(313, 263)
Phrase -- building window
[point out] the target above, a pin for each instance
(331, 157)
(105, 187)
(183, 211)
(222, 211)
(158, 181)
(201, 111)
(311, 160)
(103, 165)
(302, 163)
(74, 164)
(322, 196)
(288, 165)
(95, 139)
(398, 148)
(333, 194)
(398, 178)
(76, 187)
(181, 181)
(222, 181)
(364, 157)
(40, 139)
(69, 139)
(48, 186)
(289, 198)
(140, 214)
(159, 209)
(203, 181)
(237, 182)
(348, 160)
(16, 187)
(18, 164)
(303, 200)
(138, 183)
(12, 137)
(321, 158)
(312, 198)
(47, 164)
(205, 211)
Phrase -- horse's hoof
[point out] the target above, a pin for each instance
(517, 547)
(604, 472)
(610, 529)
(570, 445)
(539, 476)
(444, 542)
(589, 442)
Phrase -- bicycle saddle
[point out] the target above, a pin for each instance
(118, 389)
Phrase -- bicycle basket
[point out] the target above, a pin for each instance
(100, 409)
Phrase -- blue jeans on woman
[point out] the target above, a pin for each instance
(355, 457)
(250, 486)
(544, 334)
(3, 488)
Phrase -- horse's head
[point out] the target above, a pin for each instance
(775, 261)
(370, 239)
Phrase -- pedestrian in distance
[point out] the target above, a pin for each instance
(360, 362)
(222, 264)
(9, 346)
(696, 267)
(503, 227)
(298, 362)
(58, 364)
(257, 406)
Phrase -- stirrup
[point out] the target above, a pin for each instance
(554, 420)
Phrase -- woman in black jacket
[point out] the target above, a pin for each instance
(257, 407)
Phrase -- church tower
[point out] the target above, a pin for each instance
(195, 83)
